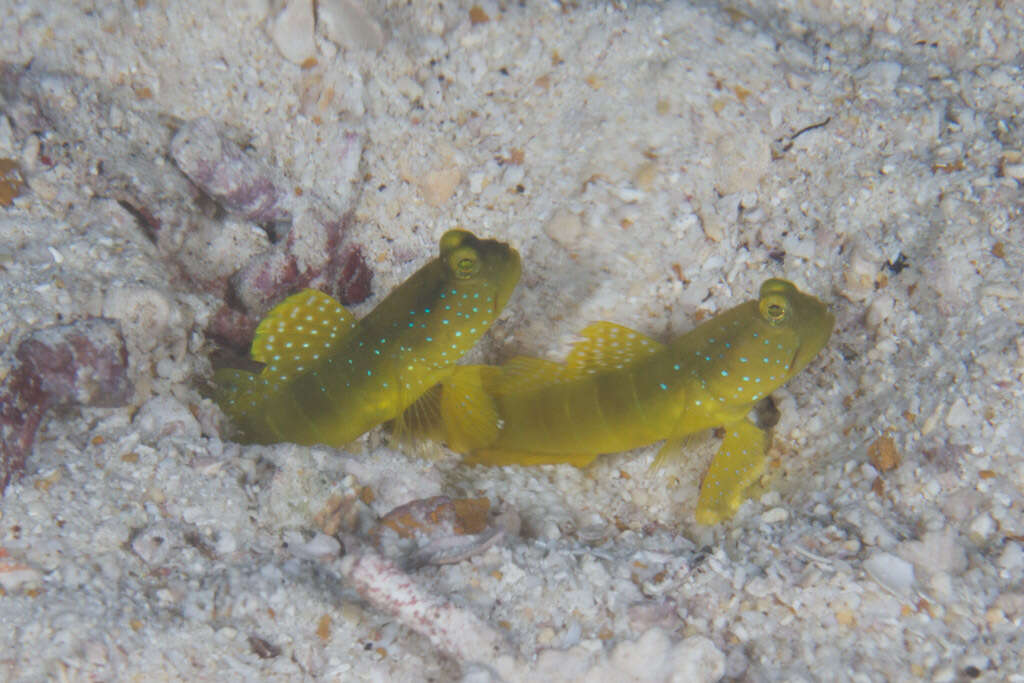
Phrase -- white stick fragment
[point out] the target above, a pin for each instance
(455, 631)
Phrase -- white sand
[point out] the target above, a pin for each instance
(644, 161)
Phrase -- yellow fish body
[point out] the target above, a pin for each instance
(327, 378)
(620, 390)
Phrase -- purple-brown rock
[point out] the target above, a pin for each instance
(316, 253)
(221, 168)
(82, 363)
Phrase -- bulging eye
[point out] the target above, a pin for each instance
(453, 239)
(464, 262)
(774, 308)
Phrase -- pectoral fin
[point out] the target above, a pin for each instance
(421, 420)
(737, 465)
(459, 412)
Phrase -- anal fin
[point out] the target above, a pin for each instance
(735, 468)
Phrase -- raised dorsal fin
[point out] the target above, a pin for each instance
(606, 346)
(299, 331)
(523, 373)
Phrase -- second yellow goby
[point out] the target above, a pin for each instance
(620, 390)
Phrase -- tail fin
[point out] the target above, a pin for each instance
(469, 413)
(237, 391)
(239, 394)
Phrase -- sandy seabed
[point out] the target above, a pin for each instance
(653, 164)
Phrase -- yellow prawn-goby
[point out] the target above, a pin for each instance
(619, 390)
(328, 378)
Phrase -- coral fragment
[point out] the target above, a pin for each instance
(452, 629)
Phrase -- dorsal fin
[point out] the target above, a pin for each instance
(607, 346)
(523, 373)
(300, 330)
